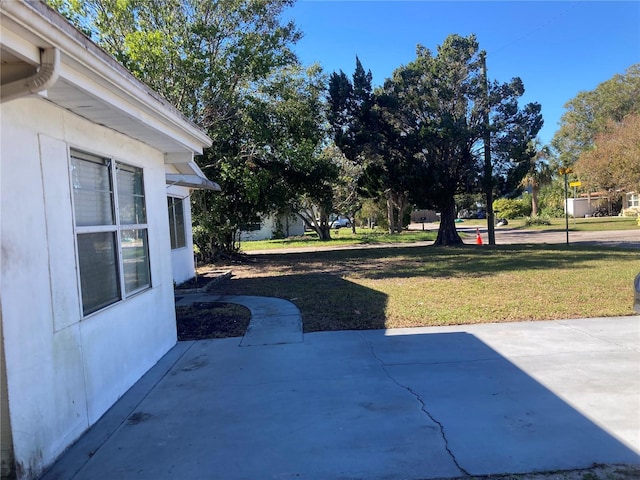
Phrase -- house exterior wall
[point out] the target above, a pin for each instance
(64, 371)
(182, 261)
(6, 442)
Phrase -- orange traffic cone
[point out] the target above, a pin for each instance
(478, 237)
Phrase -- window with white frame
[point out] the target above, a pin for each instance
(634, 199)
(111, 230)
(176, 222)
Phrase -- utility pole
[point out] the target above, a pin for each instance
(566, 171)
(488, 168)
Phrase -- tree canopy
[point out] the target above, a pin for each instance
(614, 161)
(229, 66)
(424, 127)
(596, 111)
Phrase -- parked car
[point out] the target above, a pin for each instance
(340, 222)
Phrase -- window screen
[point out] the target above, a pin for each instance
(135, 260)
(99, 281)
(92, 191)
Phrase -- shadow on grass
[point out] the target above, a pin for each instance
(434, 262)
(319, 296)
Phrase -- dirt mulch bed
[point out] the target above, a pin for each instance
(597, 472)
(211, 320)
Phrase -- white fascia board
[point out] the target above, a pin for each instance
(17, 44)
(90, 68)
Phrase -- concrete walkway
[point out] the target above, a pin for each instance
(399, 404)
(273, 320)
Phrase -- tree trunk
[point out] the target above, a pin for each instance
(402, 205)
(390, 217)
(324, 232)
(447, 233)
(534, 201)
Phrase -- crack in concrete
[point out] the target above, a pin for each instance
(423, 406)
(595, 337)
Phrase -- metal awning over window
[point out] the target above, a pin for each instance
(191, 181)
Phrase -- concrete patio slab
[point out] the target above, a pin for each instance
(396, 404)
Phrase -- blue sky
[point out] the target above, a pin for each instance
(557, 48)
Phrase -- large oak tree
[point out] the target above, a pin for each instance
(436, 112)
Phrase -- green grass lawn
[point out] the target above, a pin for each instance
(341, 237)
(427, 286)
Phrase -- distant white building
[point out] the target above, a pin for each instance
(96, 170)
(273, 226)
(586, 204)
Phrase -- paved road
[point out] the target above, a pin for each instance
(504, 236)
(615, 238)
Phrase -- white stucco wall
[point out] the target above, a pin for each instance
(64, 372)
(182, 261)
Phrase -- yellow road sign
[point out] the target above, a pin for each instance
(575, 184)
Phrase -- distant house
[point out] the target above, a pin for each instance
(631, 202)
(272, 226)
(96, 171)
(586, 204)
(422, 216)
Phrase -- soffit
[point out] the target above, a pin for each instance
(101, 112)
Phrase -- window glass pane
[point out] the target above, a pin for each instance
(176, 222)
(92, 192)
(135, 259)
(180, 233)
(100, 284)
(172, 221)
(130, 195)
(179, 219)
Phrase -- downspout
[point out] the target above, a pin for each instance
(45, 77)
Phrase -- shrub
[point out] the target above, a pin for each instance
(537, 220)
(509, 208)
(552, 212)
